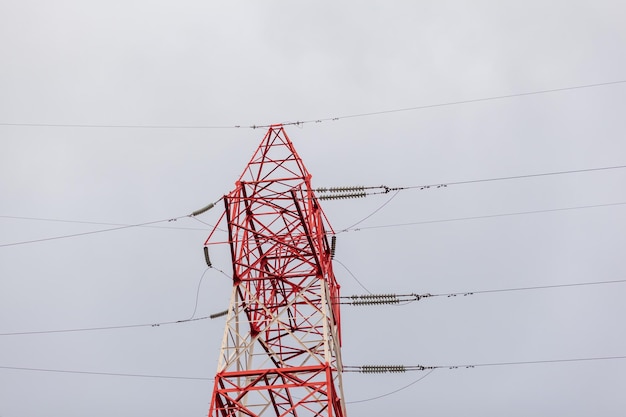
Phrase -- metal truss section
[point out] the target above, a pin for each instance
(280, 354)
(280, 392)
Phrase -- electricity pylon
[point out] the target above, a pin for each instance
(280, 354)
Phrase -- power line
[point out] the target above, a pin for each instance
(381, 369)
(130, 326)
(352, 275)
(392, 392)
(477, 365)
(195, 307)
(98, 223)
(454, 103)
(540, 287)
(346, 369)
(350, 229)
(91, 232)
(334, 193)
(112, 126)
(314, 121)
(371, 299)
(544, 174)
(65, 371)
(431, 369)
(374, 212)
(111, 229)
(397, 299)
(90, 329)
(490, 216)
(356, 300)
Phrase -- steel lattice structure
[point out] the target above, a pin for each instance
(280, 354)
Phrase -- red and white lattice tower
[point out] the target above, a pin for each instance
(280, 354)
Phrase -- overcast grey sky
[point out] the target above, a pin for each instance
(191, 63)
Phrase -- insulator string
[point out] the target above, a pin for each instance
(342, 196)
(378, 299)
(384, 189)
(381, 369)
